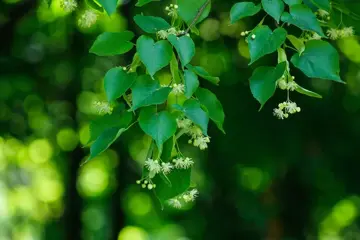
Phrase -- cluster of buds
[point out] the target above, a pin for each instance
(172, 10)
(245, 33)
(103, 107)
(198, 139)
(87, 19)
(286, 108)
(335, 34)
(189, 196)
(178, 89)
(283, 84)
(309, 35)
(163, 34)
(323, 15)
(146, 184)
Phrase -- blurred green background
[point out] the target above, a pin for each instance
(264, 179)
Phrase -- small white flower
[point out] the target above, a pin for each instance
(187, 163)
(333, 33)
(190, 196)
(347, 32)
(178, 162)
(280, 114)
(175, 203)
(184, 123)
(201, 142)
(87, 19)
(162, 34)
(153, 165)
(166, 167)
(292, 108)
(103, 107)
(315, 36)
(253, 36)
(195, 132)
(291, 86)
(178, 89)
(68, 5)
(194, 193)
(172, 31)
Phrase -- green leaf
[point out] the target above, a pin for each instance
(151, 24)
(119, 118)
(188, 10)
(191, 83)
(322, 4)
(155, 56)
(263, 82)
(184, 46)
(109, 5)
(160, 126)
(174, 69)
(146, 92)
(141, 3)
(201, 72)
(192, 110)
(178, 181)
(292, 2)
(274, 8)
(243, 9)
(112, 43)
(104, 141)
(168, 148)
(302, 17)
(213, 106)
(319, 60)
(117, 82)
(297, 43)
(265, 41)
(94, 5)
(306, 92)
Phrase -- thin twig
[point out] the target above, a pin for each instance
(198, 15)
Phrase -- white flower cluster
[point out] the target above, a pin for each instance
(163, 34)
(155, 167)
(68, 5)
(198, 139)
(103, 107)
(146, 184)
(311, 36)
(286, 108)
(186, 197)
(287, 85)
(323, 15)
(87, 19)
(335, 34)
(172, 10)
(178, 89)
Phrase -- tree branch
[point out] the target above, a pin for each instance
(196, 18)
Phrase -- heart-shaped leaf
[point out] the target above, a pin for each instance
(151, 24)
(265, 41)
(155, 56)
(109, 5)
(191, 83)
(159, 125)
(302, 17)
(263, 82)
(243, 9)
(319, 60)
(177, 182)
(184, 46)
(119, 118)
(189, 9)
(141, 3)
(213, 106)
(112, 43)
(117, 82)
(274, 8)
(146, 92)
(201, 72)
(192, 110)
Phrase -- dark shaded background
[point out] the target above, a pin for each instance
(264, 179)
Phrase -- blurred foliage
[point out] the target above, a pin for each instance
(264, 179)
